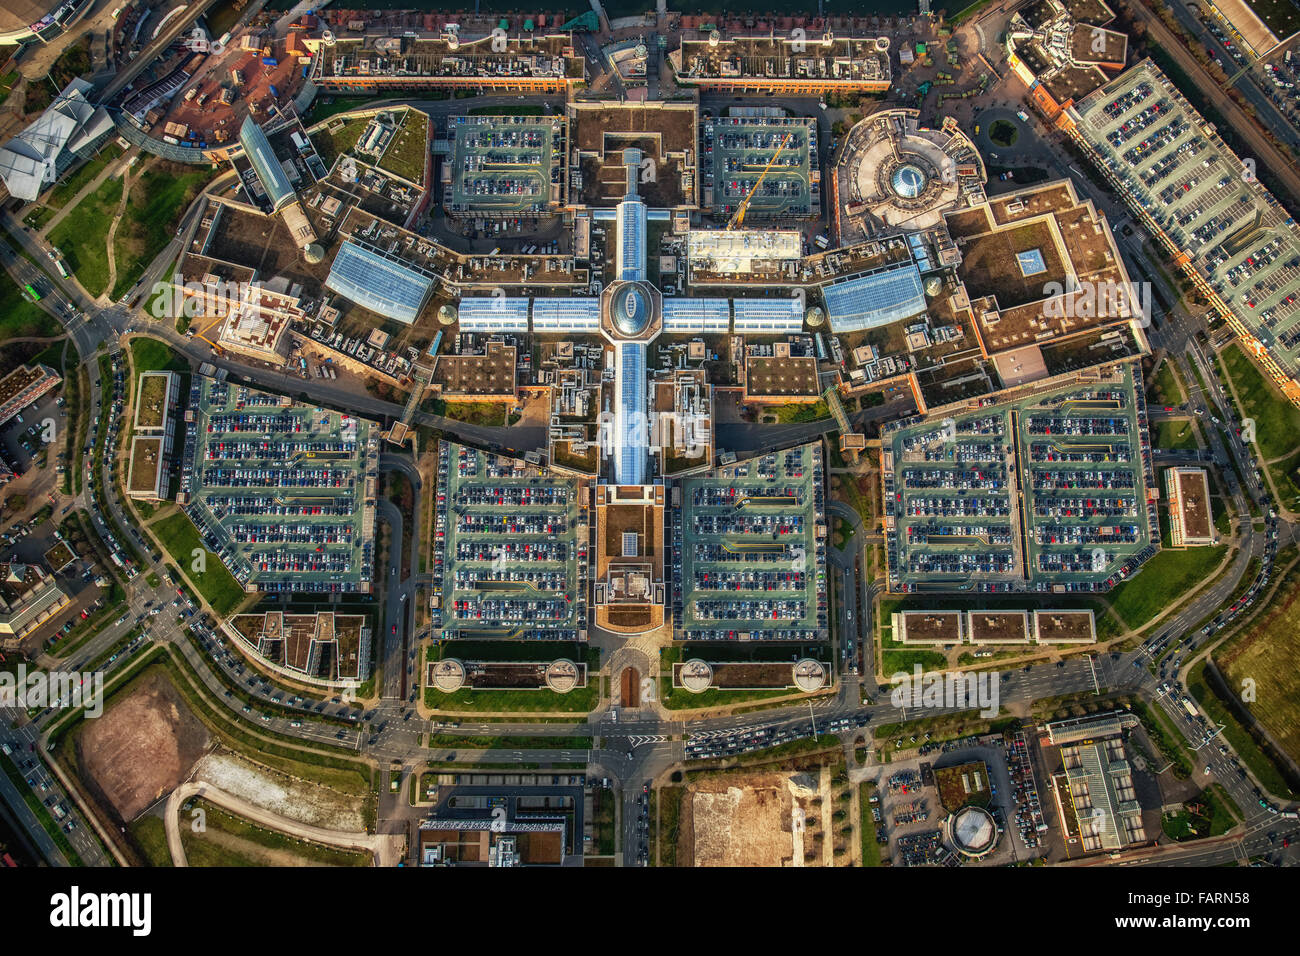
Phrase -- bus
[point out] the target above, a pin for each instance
(63, 270)
(31, 291)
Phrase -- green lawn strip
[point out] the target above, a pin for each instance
(867, 825)
(604, 820)
(1138, 600)
(218, 820)
(48, 823)
(1167, 740)
(20, 318)
(1277, 421)
(452, 741)
(1238, 736)
(179, 538)
(941, 728)
(665, 823)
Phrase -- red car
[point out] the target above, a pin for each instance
(394, 628)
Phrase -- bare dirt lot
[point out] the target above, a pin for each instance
(290, 797)
(739, 820)
(141, 748)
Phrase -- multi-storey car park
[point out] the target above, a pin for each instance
(1049, 490)
(509, 549)
(504, 165)
(737, 152)
(282, 492)
(749, 551)
(1238, 245)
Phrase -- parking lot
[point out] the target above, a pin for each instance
(1208, 201)
(734, 153)
(509, 558)
(748, 554)
(282, 492)
(504, 164)
(23, 436)
(1046, 491)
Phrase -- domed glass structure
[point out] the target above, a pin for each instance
(907, 181)
(631, 311)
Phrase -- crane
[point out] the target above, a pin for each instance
(739, 218)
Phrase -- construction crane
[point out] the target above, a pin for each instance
(739, 218)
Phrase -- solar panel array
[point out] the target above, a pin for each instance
(494, 314)
(382, 285)
(696, 315)
(775, 316)
(566, 314)
(874, 300)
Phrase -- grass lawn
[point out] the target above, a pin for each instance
(1003, 133)
(1277, 421)
(1205, 815)
(406, 154)
(180, 538)
(149, 834)
(340, 104)
(20, 318)
(1165, 389)
(82, 236)
(339, 139)
(7, 83)
(152, 355)
(1263, 657)
(1174, 435)
(229, 840)
(476, 413)
(158, 198)
(1162, 579)
(798, 412)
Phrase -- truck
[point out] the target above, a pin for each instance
(1022, 116)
